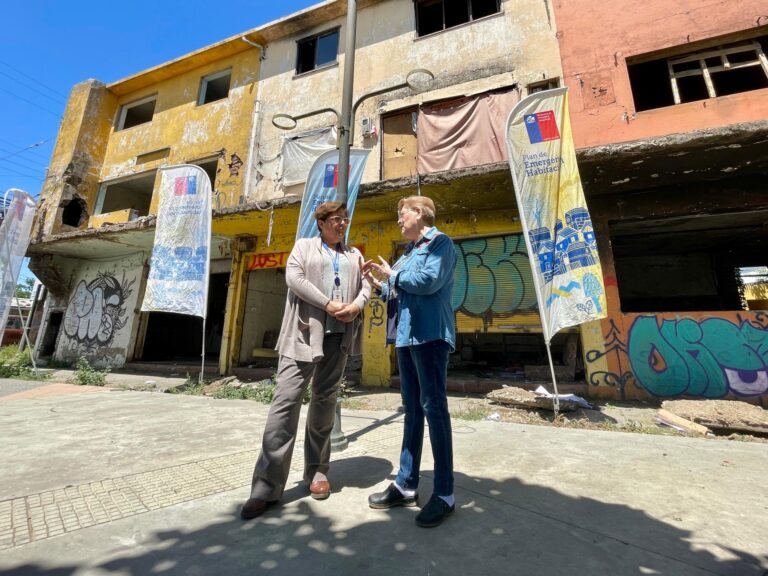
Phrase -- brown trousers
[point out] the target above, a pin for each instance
(274, 462)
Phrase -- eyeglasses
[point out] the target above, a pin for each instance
(336, 220)
(403, 212)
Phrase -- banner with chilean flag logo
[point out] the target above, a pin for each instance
(557, 227)
(180, 262)
(321, 186)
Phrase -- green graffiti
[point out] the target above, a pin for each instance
(493, 276)
(709, 359)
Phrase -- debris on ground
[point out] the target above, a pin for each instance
(724, 416)
(513, 396)
(541, 391)
(670, 420)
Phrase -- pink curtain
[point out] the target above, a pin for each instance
(464, 132)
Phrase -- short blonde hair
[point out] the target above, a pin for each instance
(425, 205)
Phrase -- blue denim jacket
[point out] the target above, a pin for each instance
(423, 280)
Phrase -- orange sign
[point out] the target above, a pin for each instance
(264, 261)
(276, 259)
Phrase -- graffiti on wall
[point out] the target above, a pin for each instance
(615, 352)
(97, 310)
(709, 358)
(683, 356)
(493, 277)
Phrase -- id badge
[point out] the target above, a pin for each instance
(336, 294)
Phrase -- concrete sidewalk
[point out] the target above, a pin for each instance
(132, 483)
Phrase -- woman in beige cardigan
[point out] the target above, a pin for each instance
(321, 328)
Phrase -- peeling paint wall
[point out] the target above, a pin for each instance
(89, 150)
(598, 36)
(100, 311)
(219, 129)
(516, 46)
(73, 173)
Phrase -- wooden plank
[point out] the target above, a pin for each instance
(667, 417)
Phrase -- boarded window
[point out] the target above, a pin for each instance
(399, 144)
(728, 68)
(435, 15)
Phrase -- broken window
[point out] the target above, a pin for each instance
(543, 85)
(707, 73)
(214, 87)
(317, 51)
(435, 15)
(689, 263)
(138, 112)
(133, 195)
(74, 212)
(754, 284)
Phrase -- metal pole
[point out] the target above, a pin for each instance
(345, 123)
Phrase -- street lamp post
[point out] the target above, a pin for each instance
(347, 116)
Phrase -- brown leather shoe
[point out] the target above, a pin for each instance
(320, 490)
(254, 507)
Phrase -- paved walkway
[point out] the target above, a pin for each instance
(131, 483)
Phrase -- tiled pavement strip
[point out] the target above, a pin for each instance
(54, 512)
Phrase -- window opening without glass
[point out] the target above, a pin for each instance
(136, 113)
(214, 87)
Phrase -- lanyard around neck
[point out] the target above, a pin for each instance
(334, 263)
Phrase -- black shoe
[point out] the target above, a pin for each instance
(390, 498)
(434, 512)
(255, 507)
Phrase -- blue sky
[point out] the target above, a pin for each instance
(49, 46)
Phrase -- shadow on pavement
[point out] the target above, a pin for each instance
(500, 527)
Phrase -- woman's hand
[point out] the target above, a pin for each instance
(333, 307)
(348, 312)
(380, 271)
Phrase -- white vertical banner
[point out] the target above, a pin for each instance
(322, 186)
(14, 240)
(178, 269)
(557, 226)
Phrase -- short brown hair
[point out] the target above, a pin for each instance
(327, 208)
(425, 205)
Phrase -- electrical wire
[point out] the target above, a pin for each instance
(30, 103)
(25, 159)
(51, 98)
(30, 147)
(36, 81)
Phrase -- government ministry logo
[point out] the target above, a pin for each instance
(541, 126)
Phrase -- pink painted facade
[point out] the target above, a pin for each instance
(597, 37)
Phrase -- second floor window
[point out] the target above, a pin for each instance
(728, 68)
(214, 87)
(317, 51)
(435, 15)
(135, 113)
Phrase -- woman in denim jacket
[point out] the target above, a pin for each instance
(422, 328)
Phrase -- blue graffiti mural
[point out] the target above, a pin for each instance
(493, 277)
(709, 358)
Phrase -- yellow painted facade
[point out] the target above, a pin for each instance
(91, 151)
